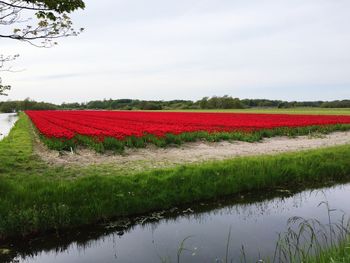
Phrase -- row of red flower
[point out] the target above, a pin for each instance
(121, 124)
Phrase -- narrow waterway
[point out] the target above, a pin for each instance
(7, 120)
(254, 225)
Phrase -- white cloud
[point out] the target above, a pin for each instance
(190, 49)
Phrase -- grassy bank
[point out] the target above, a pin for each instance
(35, 197)
(310, 241)
(336, 254)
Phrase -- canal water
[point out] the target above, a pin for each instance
(7, 120)
(254, 220)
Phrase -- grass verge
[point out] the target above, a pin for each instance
(337, 254)
(35, 197)
(298, 110)
(310, 241)
(340, 253)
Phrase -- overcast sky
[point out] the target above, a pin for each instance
(188, 49)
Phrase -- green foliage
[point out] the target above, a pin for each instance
(225, 103)
(336, 104)
(52, 20)
(27, 104)
(336, 254)
(129, 104)
(59, 6)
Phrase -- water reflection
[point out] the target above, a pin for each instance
(254, 225)
(7, 120)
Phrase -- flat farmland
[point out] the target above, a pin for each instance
(116, 129)
(267, 110)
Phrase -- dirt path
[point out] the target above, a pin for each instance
(191, 152)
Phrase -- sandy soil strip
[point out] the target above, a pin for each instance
(191, 152)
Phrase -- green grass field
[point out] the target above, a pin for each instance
(314, 111)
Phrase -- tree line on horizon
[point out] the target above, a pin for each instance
(215, 102)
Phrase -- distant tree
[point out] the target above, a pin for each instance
(203, 103)
(225, 102)
(39, 22)
(8, 106)
(336, 104)
(27, 104)
(230, 103)
(150, 105)
(74, 105)
(96, 104)
(121, 103)
(283, 105)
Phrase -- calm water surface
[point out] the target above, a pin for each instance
(7, 120)
(255, 224)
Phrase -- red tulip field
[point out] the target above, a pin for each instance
(116, 129)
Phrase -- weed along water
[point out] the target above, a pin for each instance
(191, 234)
(7, 120)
